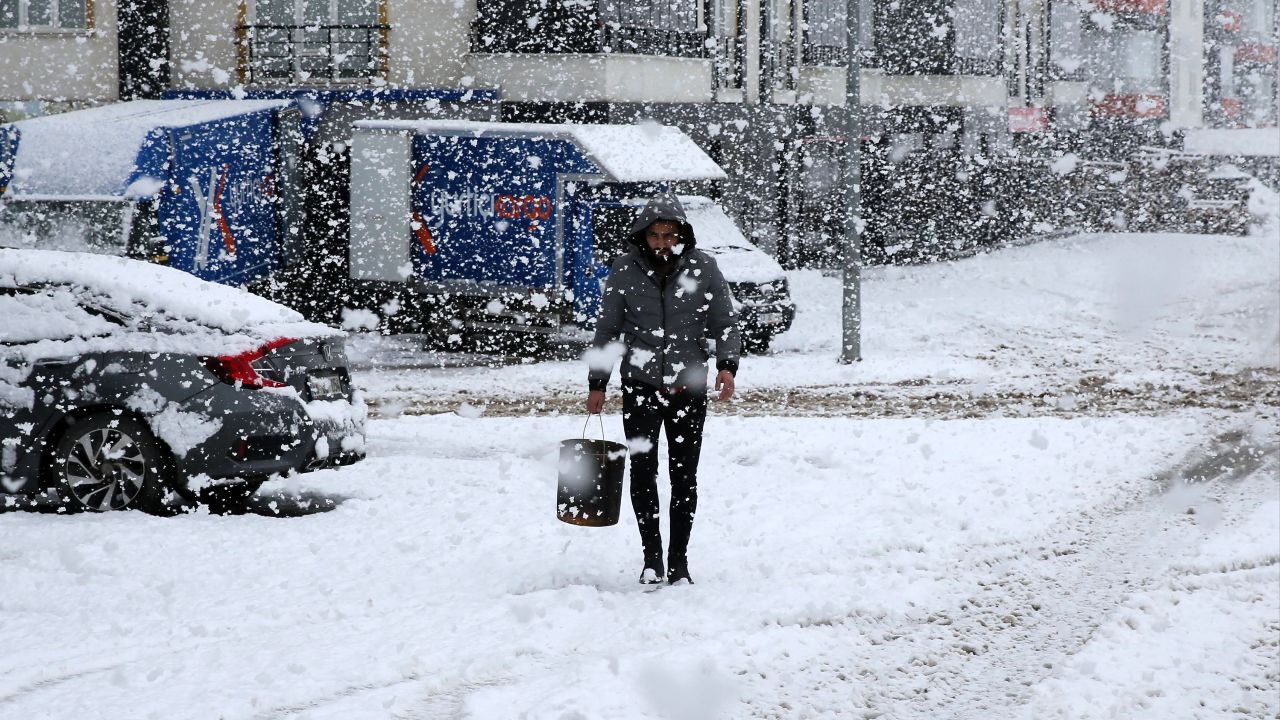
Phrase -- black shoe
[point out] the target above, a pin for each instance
(678, 572)
(652, 573)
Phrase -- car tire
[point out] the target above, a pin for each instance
(106, 462)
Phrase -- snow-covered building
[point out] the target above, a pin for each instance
(57, 52)
(946, 85)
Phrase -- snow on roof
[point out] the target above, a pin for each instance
(646, 152)
(1254, 142)
(92, 152)
(128, 285)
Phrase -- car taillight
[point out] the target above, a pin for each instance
(247, 368)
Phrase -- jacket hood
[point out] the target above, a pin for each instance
(663, 206)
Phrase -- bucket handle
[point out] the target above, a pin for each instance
(600, 417)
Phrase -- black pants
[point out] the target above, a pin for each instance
(645, 411)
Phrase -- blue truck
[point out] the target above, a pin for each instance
(511, 228)
(205, 186)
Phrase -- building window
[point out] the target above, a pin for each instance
(977, 47)
(1126, 75)
(939, 37)
(645, 27)
(1127, 62)
(824, 31)
(314, 41)
(675, 15)
(1246, 16)
(45, 14)
(652, 27)
(825, 22)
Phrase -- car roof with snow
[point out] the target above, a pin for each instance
(185, 314)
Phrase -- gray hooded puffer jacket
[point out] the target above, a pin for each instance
(665, 321)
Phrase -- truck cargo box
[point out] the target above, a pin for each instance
(201, 185)
(494, 219)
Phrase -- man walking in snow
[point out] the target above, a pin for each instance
(666, 299)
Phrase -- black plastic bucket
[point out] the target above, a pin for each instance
(590, 486)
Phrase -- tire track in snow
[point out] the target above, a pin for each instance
(1032, 608)
(1028, 615)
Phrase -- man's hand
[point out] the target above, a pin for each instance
(595, 402)
(724, 383)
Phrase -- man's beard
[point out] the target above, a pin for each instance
(661, 258)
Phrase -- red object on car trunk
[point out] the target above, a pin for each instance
(239, 369)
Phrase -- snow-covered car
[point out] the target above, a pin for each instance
(761, 294)
(121, 380)
(760, 291)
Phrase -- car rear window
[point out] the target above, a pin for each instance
(49, 313)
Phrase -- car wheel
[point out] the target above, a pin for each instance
(109, 462)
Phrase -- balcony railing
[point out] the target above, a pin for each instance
(728, 55)
(312, 54)
(653, 41)
(588, 26)
(825, 54)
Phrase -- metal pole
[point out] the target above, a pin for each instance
(851, 341)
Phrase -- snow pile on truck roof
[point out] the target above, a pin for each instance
(646, 152)
(93, 153)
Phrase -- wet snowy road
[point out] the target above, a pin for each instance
(1091, 397)
(846, 568)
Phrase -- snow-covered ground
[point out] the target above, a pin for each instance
(845, 568)
(1050, 490)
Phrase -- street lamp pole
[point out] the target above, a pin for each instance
(851, 336)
